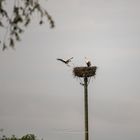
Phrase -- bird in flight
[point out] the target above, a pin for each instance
(87, 62)
(65, 61)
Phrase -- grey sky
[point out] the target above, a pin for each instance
(39, 94)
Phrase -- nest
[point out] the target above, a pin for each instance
(84, 71)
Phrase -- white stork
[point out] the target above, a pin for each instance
(87, 62)
(65, 61)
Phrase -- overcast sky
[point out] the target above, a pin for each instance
(39, 95)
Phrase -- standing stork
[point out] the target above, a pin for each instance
(87, 62)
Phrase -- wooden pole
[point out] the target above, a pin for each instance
(85, 73)
(86, 107)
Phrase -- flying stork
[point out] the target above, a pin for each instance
(65, 61)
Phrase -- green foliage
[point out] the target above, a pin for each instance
(28, 137)
(13, 137)
(15, 23)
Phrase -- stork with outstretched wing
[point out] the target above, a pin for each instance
(65, 61)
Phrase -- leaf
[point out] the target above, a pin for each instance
(1, 24)
(4, 46)
(17, 36)
(27, 22)
(41, 22)
(12, 44)
(3, 13)
(17, 19)
(16, 10)
(20, 30)
(52, 24)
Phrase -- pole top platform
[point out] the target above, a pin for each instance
(83, 72)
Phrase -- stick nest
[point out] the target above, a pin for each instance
(84, 71)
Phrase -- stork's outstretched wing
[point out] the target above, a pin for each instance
(70, 59)
(61, 60)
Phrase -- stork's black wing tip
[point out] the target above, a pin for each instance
(71, 57)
